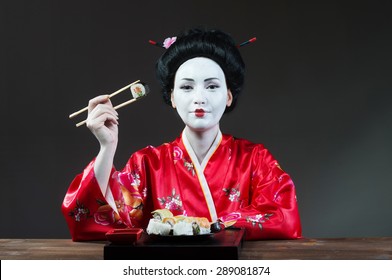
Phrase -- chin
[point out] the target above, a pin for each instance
(201, 127)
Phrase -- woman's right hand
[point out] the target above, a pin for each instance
(102, 120)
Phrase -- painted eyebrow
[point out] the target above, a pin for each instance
(192, 80)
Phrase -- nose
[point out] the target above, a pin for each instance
(199, 97)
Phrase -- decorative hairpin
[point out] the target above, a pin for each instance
(247, 42)
(170, 40)
(166, 44)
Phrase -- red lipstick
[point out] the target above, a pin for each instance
(199, 113)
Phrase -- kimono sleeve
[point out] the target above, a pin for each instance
(273, 211)
(129, 189)
(86, 211)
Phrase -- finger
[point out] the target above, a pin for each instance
(101, 120)
(102, 99)
(102, 109)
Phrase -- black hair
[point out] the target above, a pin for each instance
(197, 42)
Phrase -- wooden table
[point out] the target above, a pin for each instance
(302, 249)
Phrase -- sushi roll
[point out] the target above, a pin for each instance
(164, 223)
(170, 221)
(156, 226)
(139, 90)
(161, 214)
(203, 225)
(192, 226)
(183, 228)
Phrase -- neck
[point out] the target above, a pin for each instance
(201, 141)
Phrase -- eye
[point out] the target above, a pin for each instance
(186, 87)
(212, 86)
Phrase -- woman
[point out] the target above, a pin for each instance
(203, 172)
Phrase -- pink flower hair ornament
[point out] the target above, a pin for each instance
(169, 41)
(166, 44)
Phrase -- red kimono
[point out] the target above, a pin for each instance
(238, 182)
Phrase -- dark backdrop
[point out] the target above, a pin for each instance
(317, 94)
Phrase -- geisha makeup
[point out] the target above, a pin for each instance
(200, 94)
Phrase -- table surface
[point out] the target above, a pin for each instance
(300, 249)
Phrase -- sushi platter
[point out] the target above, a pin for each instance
(175, 237)
(223, 245)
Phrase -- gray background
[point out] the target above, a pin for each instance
(317, 94)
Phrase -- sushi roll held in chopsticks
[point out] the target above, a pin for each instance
(139, 90)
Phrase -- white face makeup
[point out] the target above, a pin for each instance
(200, 94)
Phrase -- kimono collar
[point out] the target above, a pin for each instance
(210, 152)
(200, 171)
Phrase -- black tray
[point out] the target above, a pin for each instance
(224, 245)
